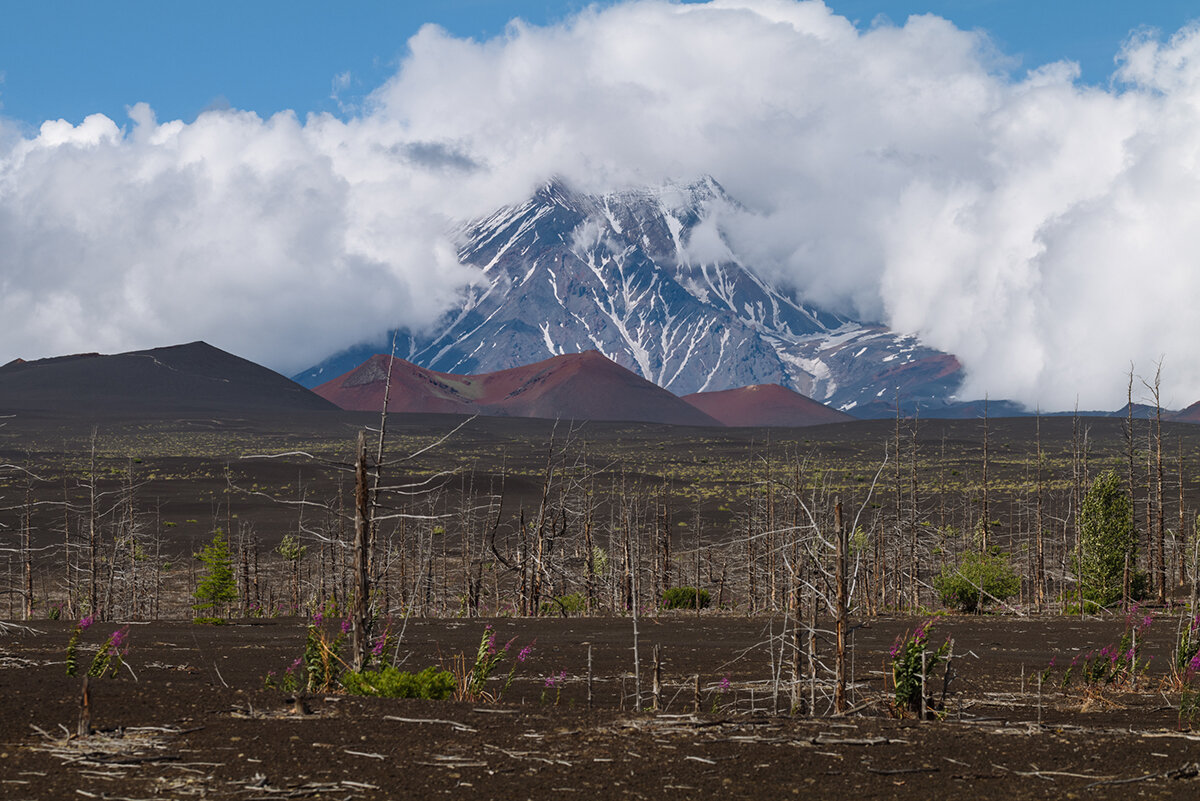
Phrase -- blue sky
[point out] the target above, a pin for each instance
(71, 58)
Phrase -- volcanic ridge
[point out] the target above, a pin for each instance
(576, 386)
(191, 379)
(764, 405)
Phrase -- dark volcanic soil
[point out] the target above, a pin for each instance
(197, 721)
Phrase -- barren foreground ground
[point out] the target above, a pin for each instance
(197, 721)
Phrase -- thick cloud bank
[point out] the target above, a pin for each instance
(1046, 232)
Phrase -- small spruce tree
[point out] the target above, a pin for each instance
(1106, 536)
(217, 588)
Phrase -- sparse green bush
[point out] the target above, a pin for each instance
(388, 682)
(684, 598)
(960, 587)
(566, 605)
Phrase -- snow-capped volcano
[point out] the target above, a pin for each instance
(647, 278)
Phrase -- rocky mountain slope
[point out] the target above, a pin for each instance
(646, 278)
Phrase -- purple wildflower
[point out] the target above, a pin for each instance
(114, 642)
(1147, 620)
(724, 683)
(508, 644)
(299, 661)
(318, 618)
(345, 625)
(85, 622)
(525, 652)
(1194, 665)
(491, 644)
(377, 649)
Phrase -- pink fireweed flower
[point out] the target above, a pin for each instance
(724, 683)
(509, 644)
(318, 618)
(525, 652)
(115, 641)
(1147, 620)
(377, 649)
(1194, 665)
(345, 625)
(299, 661)
(491, 644)
(85, 622)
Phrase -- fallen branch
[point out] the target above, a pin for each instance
(454, 723)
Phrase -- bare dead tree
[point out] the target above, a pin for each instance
(1160, 563)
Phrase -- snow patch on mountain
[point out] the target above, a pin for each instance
(647, 277)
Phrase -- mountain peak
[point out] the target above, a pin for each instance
(646, 276)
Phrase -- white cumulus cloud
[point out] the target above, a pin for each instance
(1045, 231)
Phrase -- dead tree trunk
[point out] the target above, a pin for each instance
(362, 532)
(839, 530)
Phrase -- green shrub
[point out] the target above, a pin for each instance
(1107, 539)
(684, 598)
(388, 682)
(959, 587)
(566, 605)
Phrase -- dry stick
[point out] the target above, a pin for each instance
(85, 710)
(696, 694)
(923, 654)
(1039, 699)
(589, 677)
(657, 679)
(1133, 661)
